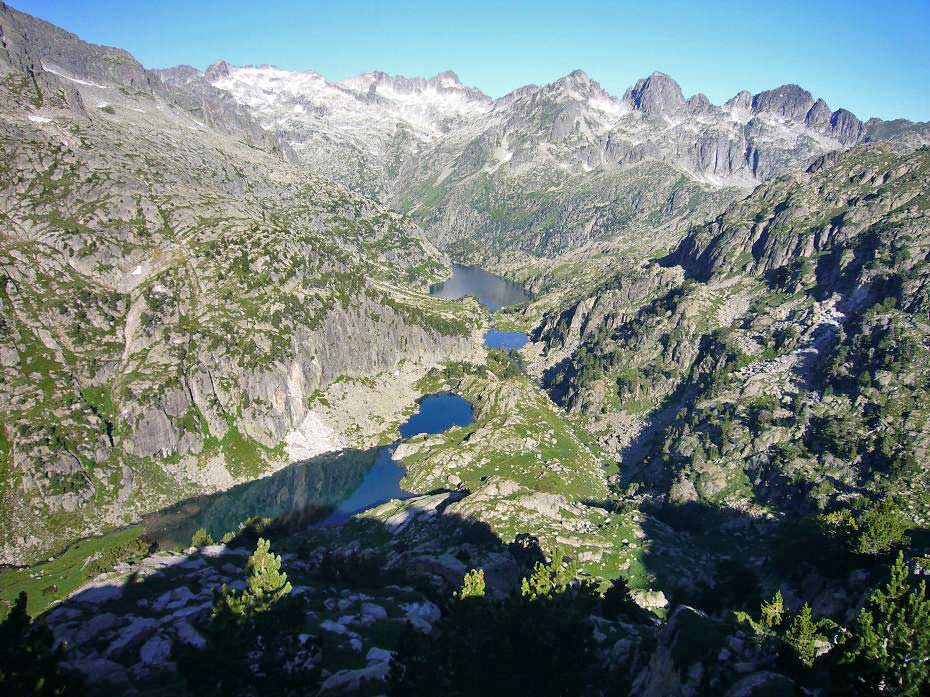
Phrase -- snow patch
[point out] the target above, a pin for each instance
(39, 119)
(367, 107)
(74, 79)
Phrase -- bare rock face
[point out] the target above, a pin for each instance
(789, 101)
(188, 87)
(19, 57)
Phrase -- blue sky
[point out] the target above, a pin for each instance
(870, 57)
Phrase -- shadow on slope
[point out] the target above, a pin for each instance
(296, 496)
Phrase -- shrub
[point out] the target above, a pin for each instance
(549, 579)
(771, 617)
(537, 642)
(472, 585)
(617, 603)
(201, 538)
(737, 588)
(267, 584)
(881, 528)
(772, 612)
(106, 559)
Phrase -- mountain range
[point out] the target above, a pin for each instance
(506, 174)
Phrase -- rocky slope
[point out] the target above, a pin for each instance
(173, 294)
(52, 54)
(730, 365)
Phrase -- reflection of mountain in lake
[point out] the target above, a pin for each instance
(306, 492)
(303, 492)
(491, 290)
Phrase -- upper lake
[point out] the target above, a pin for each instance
(491, 290)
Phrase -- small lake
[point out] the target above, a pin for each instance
(491, 290)
(509, 341)
(329, 488)
(437, 413)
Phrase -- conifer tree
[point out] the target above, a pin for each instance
(552, 579)
(772, 611)
(201, 538)
(29, 665)
(267, 584)
(890, 650)
(803, 636)
(472, 585)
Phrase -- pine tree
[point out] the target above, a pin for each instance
(881, 528)
(551, 579)
(472, 585)
(267, 584)
(890, 650)
(201, 538)
(28, 663)
(771, 612)
(803, 636)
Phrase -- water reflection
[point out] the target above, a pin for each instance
(491, 290)
(328, 488)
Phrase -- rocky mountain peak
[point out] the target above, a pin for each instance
(846, 127)
(699, 102)
(217, 71)
(446, 78)
(656, 94)
(449, 80)
(742, 100)
(790, 101)
(376, 82)
(818, 115)
(516, 95)
(578, 86)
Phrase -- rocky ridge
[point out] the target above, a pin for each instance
(548, 168)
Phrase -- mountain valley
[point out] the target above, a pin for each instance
(223, 310)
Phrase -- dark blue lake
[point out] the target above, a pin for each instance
(491, 290)
(509, 341)
(329, 487)
(437, 413)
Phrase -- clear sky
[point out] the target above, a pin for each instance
(870, 57)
